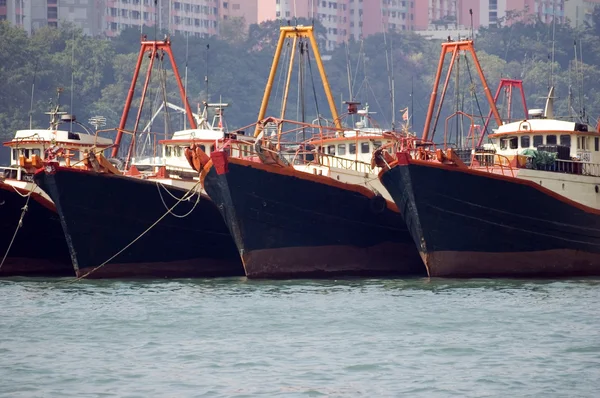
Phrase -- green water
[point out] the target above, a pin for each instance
(345, 338)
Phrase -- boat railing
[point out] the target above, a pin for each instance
(333, 161)
(492, 163)
(298, 154)
(567, 166)
(148, 161)
(15, 173)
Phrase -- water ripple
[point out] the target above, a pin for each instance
(233, 337)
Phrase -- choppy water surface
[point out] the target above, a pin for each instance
(233, 337)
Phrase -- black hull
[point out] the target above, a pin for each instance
(39, 248)
(473, 224)
(103, 213)
(288, 225)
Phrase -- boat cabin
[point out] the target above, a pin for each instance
(206, 136)
(355, 145)
(570, 141)
(30, 148)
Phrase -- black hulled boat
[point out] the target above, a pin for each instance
(288, 223)
(514, 208)
(102, 213)
(39, 247)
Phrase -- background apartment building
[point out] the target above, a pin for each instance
(342, 19)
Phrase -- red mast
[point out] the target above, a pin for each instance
(155, 49)
(454, 47)
(508, 85)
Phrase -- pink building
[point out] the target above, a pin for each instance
(378, 16)
(454, 14)
(3, 11)
(246, 9)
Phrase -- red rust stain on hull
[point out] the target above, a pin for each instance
(329, 261)
(547, 263)
(199, 268)
(20, 266)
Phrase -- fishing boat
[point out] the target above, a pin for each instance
(150, 219)
(308, 208)
(525, 205)
(32, 242)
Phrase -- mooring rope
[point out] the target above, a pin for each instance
(159, 185)
(185, 197)
(20, 223)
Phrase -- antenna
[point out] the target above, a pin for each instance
(187, 42)
(472, 34)
(577, 75)
(388, 68)
(583, 116)
(72, 77)
(155, 17)
(141, 17)
(349, 72)
(553, 47)
(412, 100)
(206, 76)
(97, 121)
(393, 88)
(295, 14)
(32, 91)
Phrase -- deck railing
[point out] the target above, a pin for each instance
(569, 167)
(15, 173)
(343, 163)
(494, 160)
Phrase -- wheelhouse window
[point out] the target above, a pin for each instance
(513, 142)
(331, 150)
(203, 148)
(36, 152)
(596, 144)
(364, 147)
(582, 143)
(212, 148)
(538, 140)
(565, 140)
(503, 143)
(525, 141)
(177, 151)
(341, 149)
(25, 152)
(376, 144)
(168, 151)
(352, 149)
(551, 139)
